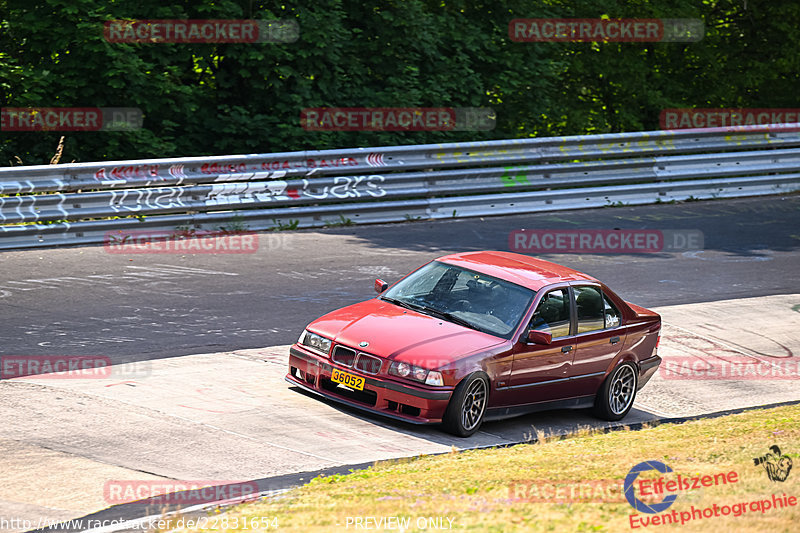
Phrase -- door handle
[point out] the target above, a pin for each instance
(614, 340)
(566, 349)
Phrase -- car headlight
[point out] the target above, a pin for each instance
(316, 342)
(416, 373)
(401, 369)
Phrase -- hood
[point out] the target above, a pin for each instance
(396, 333)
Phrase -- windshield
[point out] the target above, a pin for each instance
(462, 296)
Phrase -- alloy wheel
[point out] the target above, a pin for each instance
(474, 404)
(620, 393)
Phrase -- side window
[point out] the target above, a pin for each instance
(552, 315)
(590, 307)
(612, 315)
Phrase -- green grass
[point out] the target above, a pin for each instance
(473, 488)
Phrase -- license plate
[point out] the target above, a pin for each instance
(348, 380)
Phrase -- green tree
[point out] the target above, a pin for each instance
(225, 98)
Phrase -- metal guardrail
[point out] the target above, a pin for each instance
(73, 203)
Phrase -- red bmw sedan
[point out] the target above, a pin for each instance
(481, 336)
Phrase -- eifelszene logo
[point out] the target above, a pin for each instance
(668, 486)
(630, 494)
(776, 464)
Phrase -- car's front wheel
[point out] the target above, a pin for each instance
(615, 397)
(464, 413)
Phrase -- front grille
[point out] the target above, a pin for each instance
(370, 365)
(344, 356)
(348, 357)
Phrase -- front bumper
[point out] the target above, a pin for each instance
(416, 405)
(647, 368)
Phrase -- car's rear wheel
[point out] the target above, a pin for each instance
(615, 398)
(464, 414)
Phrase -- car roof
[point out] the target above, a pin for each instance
(517, 268)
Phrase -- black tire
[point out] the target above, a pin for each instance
(464, 414)
(615, 398)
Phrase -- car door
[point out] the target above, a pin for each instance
(599, 336)
(540, 372)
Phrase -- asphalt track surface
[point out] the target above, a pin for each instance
(86, 301)
(234, 312)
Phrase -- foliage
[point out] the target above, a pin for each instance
(223, 98)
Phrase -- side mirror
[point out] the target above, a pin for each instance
(380, 285)
(540, 337)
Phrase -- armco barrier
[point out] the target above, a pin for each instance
(81, 203)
